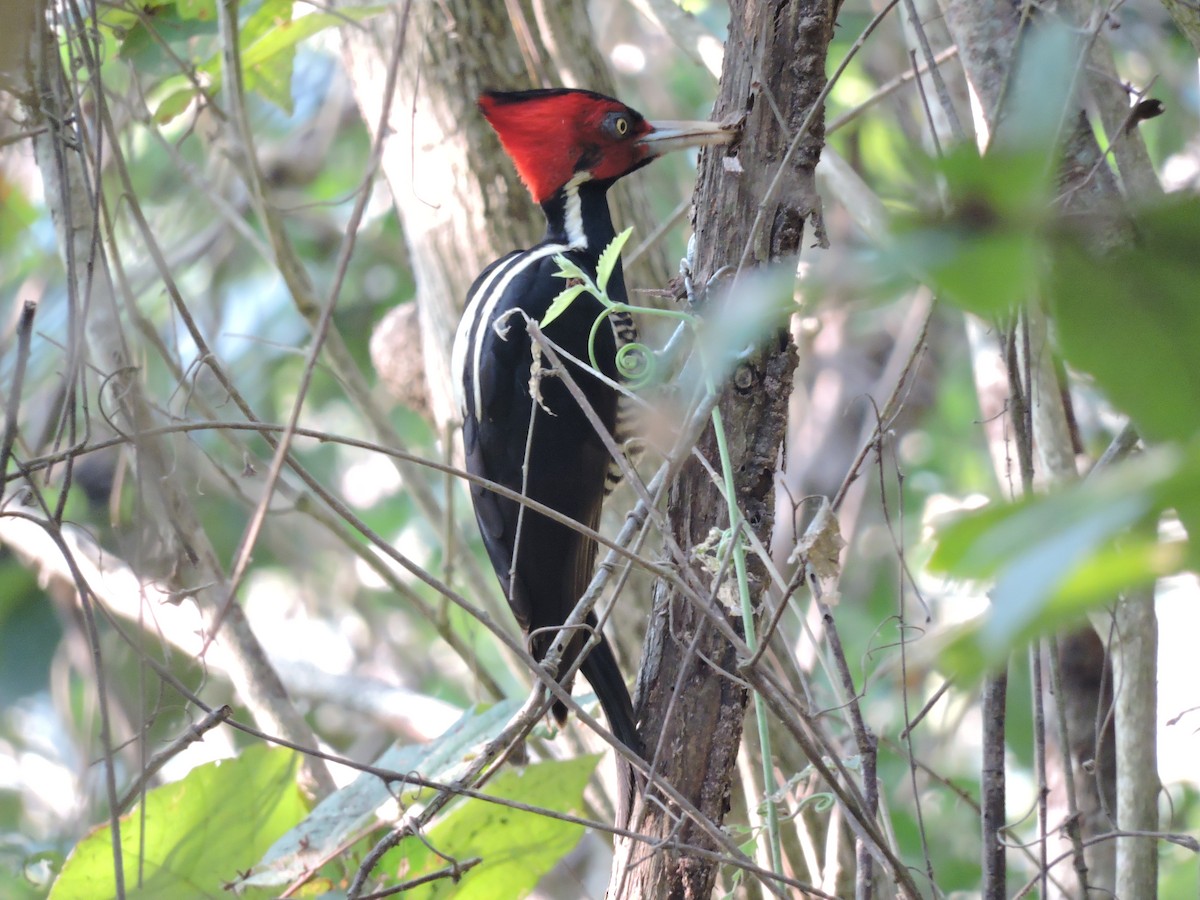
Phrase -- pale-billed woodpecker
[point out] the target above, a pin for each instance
(569, 147)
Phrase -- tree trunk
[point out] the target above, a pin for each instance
(692, 711)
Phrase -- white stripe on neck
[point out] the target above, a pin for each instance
(573, 212)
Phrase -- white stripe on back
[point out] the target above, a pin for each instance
(462, 335)
(486, 300)
(467, 337)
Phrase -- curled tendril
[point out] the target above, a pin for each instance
(637, 365)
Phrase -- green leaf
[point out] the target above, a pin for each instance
(344, 816)
(1130, 319)
(568, 270)
(271, 14)
(269, 39)
(154, 44)
(174, 104)
(984, 254)
(268, 44)
(1052, 558)
(116, 21)
(199, 831)
(562, 302)
(984, 248)
(290, 33)
(609, 259)
(1040, 103)
(203, 10)
(516, 847)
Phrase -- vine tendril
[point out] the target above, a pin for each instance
(637, 365)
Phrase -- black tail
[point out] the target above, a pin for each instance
(601, 670)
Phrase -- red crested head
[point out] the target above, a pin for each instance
(553, 135)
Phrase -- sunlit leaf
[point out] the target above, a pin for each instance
(287, 36)
(562, 303)
(267, 70)
(269, 39)
(175, 103)
(516, 847)
(199, 831)
(1130, 319)
(343, 817)
(609, 258)
(203, 10)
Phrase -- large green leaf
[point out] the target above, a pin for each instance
(983, 249)
(983, 253)
(516, 848)
(199, 832)
(346, 815)
(269, 52)
(1050, 559)
(268, 44)
(1131, 319)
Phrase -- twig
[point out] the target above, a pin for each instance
(151, 767)
(929, 704)
(453, 872)
(1039, 757)
(992, 785)
(1068, 773)
(935, 73)
(1187, 841)
(887, 89)
(233, 77)
(24, 336)
(66, 192)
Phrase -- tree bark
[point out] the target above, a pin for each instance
(692, 710)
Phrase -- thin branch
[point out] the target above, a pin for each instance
(12, 408)
(194, 733)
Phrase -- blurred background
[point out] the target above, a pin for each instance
(371, 654)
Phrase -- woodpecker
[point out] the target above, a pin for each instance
(526, 433)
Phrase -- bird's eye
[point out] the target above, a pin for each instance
(616, 125)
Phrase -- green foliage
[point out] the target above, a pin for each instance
(1130, 318)
(1051, 558)
(198, 832)
(516, 846)
(981, 232)
(984, 253)
(567, 269)
(343, 817)
(609, 259)
(164, 33)
(981, 247)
